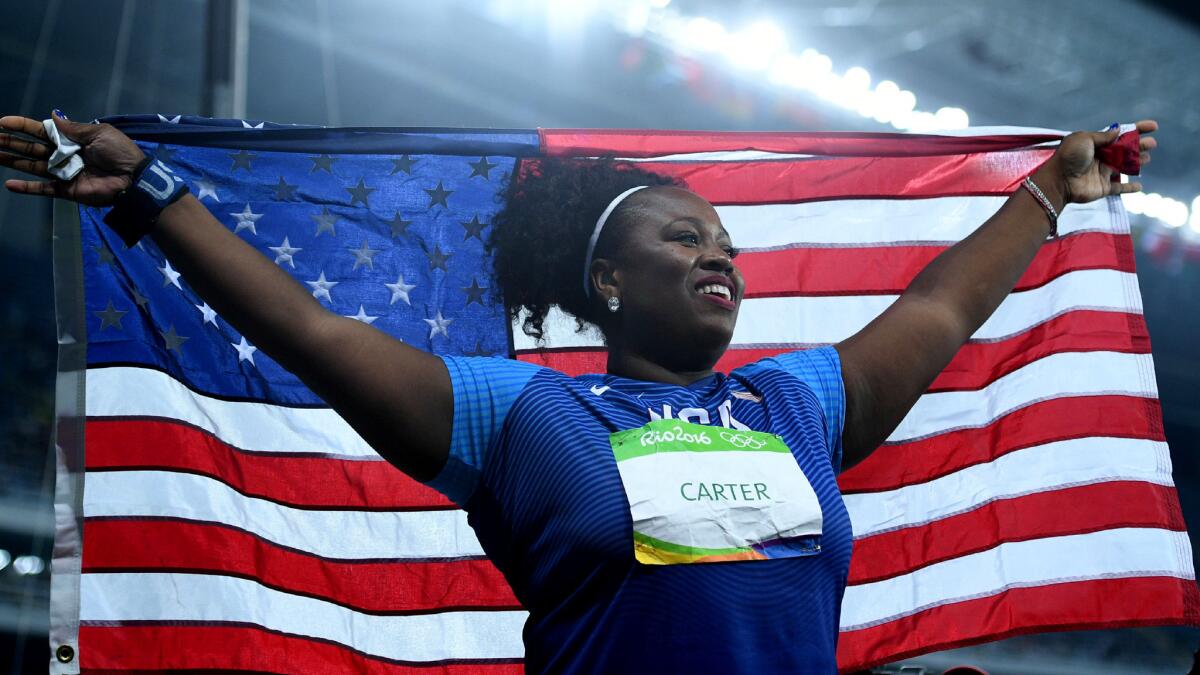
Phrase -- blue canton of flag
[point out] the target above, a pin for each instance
(385, 228)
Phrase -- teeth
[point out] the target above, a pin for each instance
(717, 289)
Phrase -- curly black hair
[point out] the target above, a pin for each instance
(539, 240)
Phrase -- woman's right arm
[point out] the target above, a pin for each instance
(398, 398)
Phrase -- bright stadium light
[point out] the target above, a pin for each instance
(28, 565)
(1194, 221)
(704, 35)
(756, 46)
(5, 558)
(1135, 202)
(952, 118)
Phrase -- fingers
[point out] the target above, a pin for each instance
(24, 147)
(25, 165)
(39, 188)
(1102, 138)
(1146, 126)
(1124, 188)
(24, 125)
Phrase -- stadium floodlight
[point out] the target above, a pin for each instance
(5, 558)
(1175, 213)
(952, 118)
(1194, 221)
(704, 35)
(659, 4)
(1135, 202)
(756, 46)
(28, 565)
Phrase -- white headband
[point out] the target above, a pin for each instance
(591, 249)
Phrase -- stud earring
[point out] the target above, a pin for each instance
(614, 303)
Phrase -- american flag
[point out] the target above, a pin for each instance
(232, 521)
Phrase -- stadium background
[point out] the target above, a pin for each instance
(594, 63)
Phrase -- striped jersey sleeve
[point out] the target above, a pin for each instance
(484, 392)
(821, 370)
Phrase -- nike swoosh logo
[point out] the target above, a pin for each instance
(598, 390)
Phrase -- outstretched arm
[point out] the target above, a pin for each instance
(396, 397)
(888, 364)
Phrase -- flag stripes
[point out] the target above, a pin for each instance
(179, 646)
(211, 599)
(1028, 489)
(397, 586)
(1011, 479)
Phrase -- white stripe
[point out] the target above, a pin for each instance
(1055, 376)
(120, 391)
(1041, 468)
(1119, 553)
(212, 598)
(721, 156)
(882, 222)
(331, 534)
(831, 319)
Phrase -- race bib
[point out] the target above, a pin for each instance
(701, 494)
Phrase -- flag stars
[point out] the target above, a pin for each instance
(438, 325)
(478, 351)
(325, 221)
(360, 193)
(364, 255)
(209, 314)
(208, 189)
(242, 159)
(169, 120)
(400, 290)
(246, 220)
(111, 316)
(321, 287)
(104, 255)
(481, 168)
(321, 162)
(474, 228)
(170, 276)
(164, 153)
(285, 252)
(438, 195)
(285, 191)
(172, 339)
(245, 350)
(474, 291)
(139, 299)
(404, 164)
(362, 316)
(399, 225)
(437, 259)
(247, 125)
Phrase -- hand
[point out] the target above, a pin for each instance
(1084, 178)
(109, 157)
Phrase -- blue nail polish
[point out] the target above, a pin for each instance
(1114, 125)
(59, 113)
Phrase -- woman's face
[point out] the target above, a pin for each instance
(674, 274)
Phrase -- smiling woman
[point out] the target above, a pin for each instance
(660, 516)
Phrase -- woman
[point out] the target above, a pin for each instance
(661, 516)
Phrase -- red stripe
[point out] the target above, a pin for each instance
(975, 365)
(844, 271)
(853, 177)
(295, 481)
(641, 143)
(225, 648)
(896, 465)
(1078, 510)
(394, 587)
(1106, 603)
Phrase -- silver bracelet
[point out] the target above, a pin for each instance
(1040, 196)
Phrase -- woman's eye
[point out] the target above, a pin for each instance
(732, 251)
(689, 237)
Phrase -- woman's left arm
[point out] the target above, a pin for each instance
(888, 364)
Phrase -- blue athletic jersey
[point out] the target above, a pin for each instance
(532, 464)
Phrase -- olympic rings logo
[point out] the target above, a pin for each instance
(741, 441)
